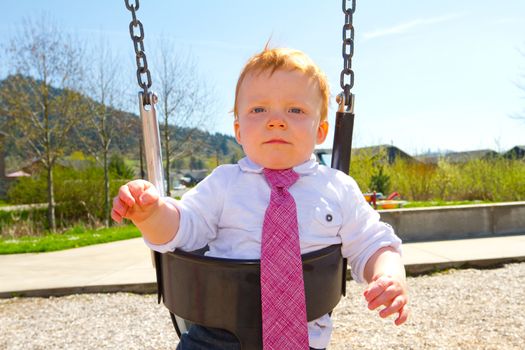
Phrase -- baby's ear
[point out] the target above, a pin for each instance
(237, 129)
(322, 131)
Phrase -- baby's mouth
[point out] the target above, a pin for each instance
(277, 141)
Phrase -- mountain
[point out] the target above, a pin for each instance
(126, 137)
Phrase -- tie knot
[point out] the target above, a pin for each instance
(280, 178)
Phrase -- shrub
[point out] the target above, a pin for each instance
(380, 182)
(362, 168)
(412, 180)
(492, 180)
(488, 180)
(118, 168)
(27, 221)
(79, 195)
(27, 190)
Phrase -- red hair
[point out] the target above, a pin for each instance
(285, 59)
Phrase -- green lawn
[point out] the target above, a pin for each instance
(439, 203)
(73, 238)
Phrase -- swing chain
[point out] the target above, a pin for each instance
(138, 43)
(348, 52)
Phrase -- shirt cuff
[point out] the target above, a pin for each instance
(390, 240)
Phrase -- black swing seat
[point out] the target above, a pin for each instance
(226, 293)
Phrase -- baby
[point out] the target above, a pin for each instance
(281, 107)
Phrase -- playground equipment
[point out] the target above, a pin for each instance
(379, 201)
(225, 293)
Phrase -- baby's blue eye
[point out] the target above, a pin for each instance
(295, 110)
(258, 110)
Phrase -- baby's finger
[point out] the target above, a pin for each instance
(376, 288)
(120, 208)
(150, 196)
(403, 316)
(125, 195)
(116, 216)
(138, 187)
(395, 306)
(384, 298)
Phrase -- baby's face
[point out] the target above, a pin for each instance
(279, 118)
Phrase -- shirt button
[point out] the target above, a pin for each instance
(329, 217)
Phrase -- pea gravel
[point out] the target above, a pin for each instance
(457, 309)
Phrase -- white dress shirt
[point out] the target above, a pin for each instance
(226, 211)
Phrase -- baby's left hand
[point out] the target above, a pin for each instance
(390, 292)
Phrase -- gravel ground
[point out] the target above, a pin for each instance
(457, 309)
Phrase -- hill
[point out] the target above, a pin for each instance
(198, 146)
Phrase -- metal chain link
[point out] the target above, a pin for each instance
(348, 52)
(138, 43)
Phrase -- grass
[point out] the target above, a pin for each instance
(439, 203)
(73, 238)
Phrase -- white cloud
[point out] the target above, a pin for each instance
(410, 25)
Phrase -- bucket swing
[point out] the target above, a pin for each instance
(191, 284)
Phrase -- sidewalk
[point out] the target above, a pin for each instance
(125, 266)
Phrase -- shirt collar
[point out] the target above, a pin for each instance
(307, 168)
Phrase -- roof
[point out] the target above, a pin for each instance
(391, 153)
(516, 152)
(459, 157)
(16, 174)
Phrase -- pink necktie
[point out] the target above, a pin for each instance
(282, 286)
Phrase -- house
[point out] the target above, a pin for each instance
(17, 174)
(388, 153)
(192, 177)
(459, 157)
(517, 152)
(463, 157)
(36, 166)
(383, 153)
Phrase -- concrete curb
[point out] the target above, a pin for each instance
(422, 269)
(137, 288)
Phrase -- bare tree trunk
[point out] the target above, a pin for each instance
(167, 149)
(51, 219)
(107, 221)
(51, 200)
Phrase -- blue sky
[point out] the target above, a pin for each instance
(430, 75)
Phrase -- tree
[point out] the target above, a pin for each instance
(119, 169)
(185, 101)
(103, 88)
(196, 163)
(380, 182)
(42, 58)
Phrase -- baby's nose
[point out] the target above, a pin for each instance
(276, 123)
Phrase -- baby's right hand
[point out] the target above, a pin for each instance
(136, 201)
